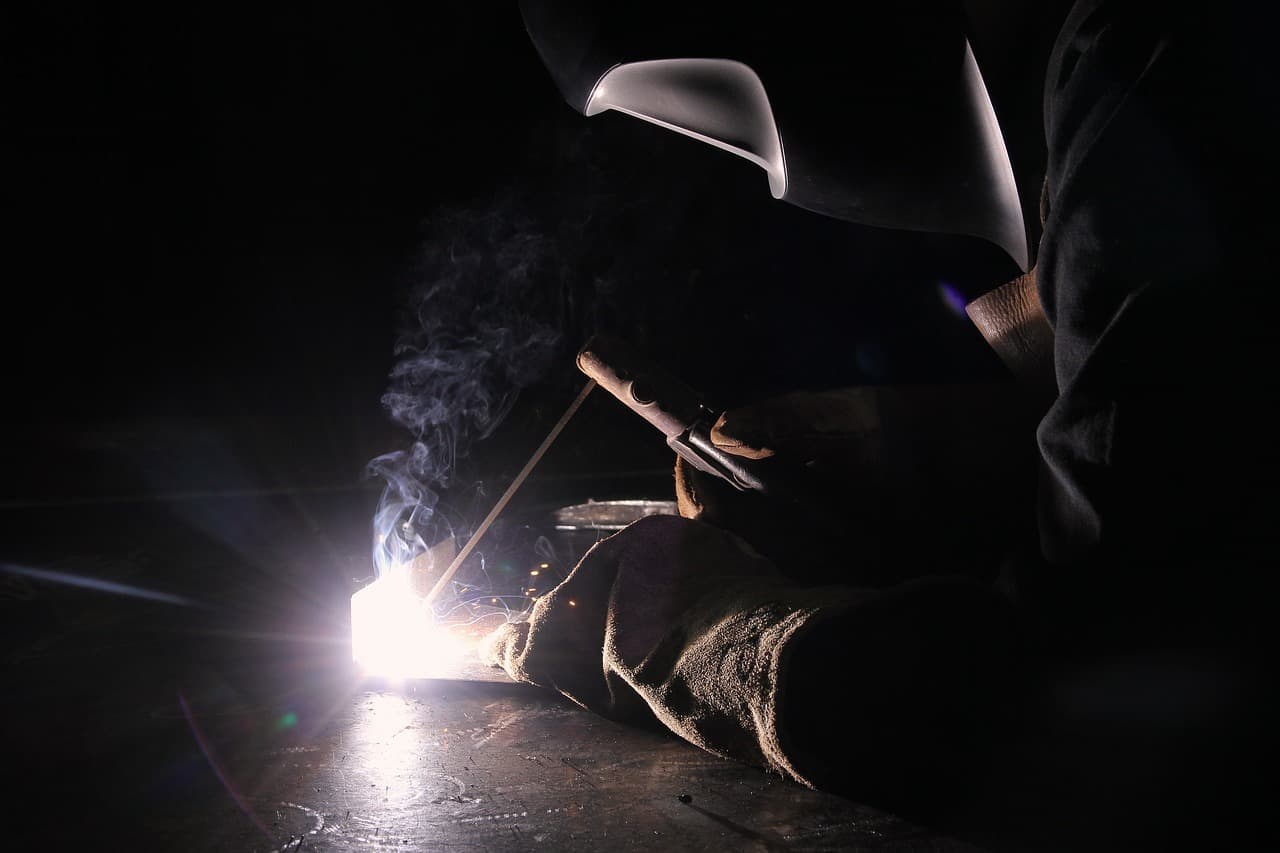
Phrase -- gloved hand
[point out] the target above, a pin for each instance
(923, 479)
(630, 592)
(680, 622)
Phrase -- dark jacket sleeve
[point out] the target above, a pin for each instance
(1159, 460)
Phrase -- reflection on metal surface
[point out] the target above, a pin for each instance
(609, 515)
(388, 746)
(385, 770)
(487, 767)
(317, 826)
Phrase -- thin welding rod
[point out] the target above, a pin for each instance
(511, 490)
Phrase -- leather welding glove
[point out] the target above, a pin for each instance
(916, 478)
(679, 622)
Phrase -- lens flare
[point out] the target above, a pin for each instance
(952, 298)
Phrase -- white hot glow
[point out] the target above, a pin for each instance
(393, 632)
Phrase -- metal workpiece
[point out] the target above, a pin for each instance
(609, 515)
(456, 766)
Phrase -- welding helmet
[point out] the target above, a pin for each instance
(876, 114)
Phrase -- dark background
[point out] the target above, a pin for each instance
(215, 218)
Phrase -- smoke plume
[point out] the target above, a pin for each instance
(502, 294)
(483, 325)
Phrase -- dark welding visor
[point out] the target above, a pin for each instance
(873, 113)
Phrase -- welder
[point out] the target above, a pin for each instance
(1120, 585)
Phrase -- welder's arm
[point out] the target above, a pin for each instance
(923, 479)
(1160, 454)
(675, 621)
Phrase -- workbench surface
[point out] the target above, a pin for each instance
(227, 715)
(452, 765)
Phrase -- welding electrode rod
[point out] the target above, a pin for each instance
(511, 490)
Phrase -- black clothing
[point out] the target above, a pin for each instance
(1159, 497)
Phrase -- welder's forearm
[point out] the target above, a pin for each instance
(837, 688)
(883, 700)
(679, 622)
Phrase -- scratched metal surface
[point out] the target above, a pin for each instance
(236, 723)
(457, 766)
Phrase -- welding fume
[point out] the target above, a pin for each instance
(908, 593)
